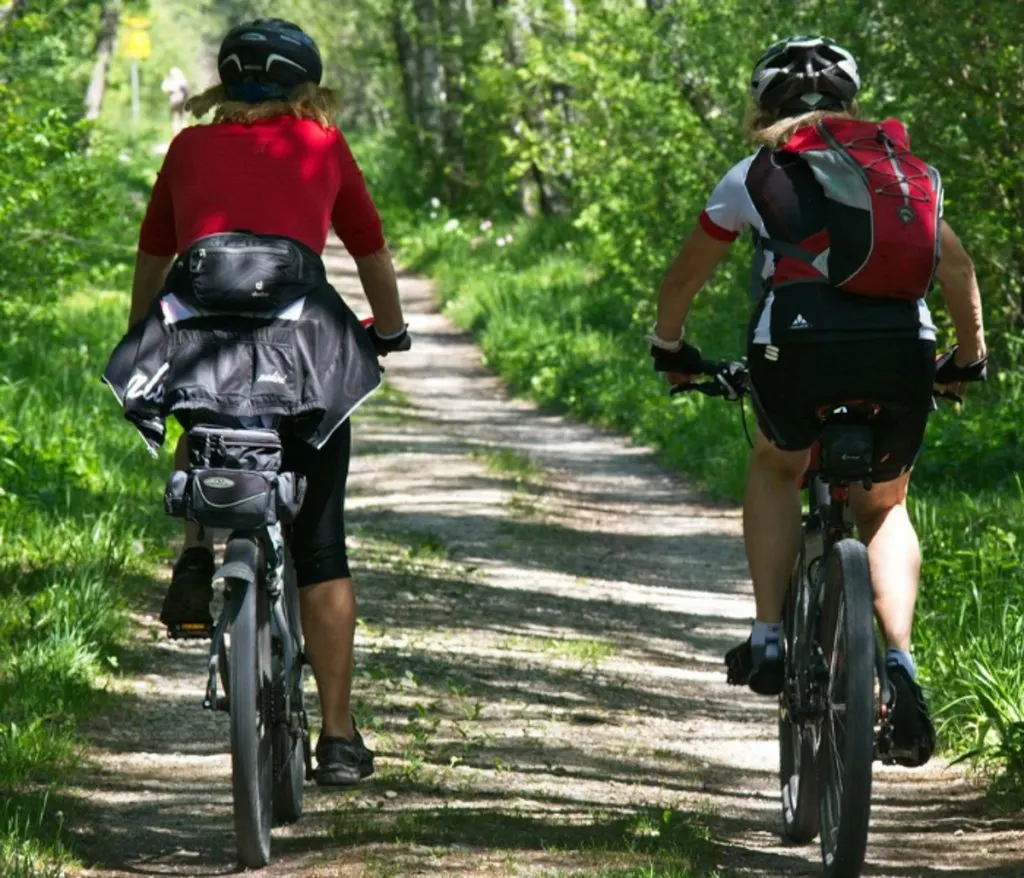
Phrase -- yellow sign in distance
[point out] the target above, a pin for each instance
(136, 43)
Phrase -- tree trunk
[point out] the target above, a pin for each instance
(104, 52)
(428, 68)
(407, 65)
(454, 26)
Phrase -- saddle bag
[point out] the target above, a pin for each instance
(234, 481)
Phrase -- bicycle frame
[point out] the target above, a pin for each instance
(812, 671)
(242, 564)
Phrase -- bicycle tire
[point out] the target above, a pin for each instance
(847, 748)
(249, 663)
(289, 750)
(798, 779)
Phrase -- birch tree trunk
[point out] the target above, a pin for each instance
(104, 52)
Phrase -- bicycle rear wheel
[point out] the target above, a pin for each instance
(797, 740)
(290, 735)
(847, 747)
(249, 664)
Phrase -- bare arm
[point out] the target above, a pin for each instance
(150, 273)
(377, 274)
(689, 271)
(963, 299)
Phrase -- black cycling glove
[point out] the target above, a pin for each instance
(947, 371)
(687, 360)
(387, 344)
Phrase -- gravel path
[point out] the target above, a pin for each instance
(544, 611)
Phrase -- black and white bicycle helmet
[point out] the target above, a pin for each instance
(266, 59)
(800, 74)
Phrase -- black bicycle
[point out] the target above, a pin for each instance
(235, 483)
(836, 703)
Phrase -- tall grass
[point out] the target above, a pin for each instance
(569, 334)
(79, 530)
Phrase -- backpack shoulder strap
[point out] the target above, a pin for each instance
(785, 248)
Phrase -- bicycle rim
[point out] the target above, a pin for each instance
(846, 751)
(251, 751)
(289, 750)
(797, 772)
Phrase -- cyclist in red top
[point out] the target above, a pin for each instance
(273, 163)
(812, 344)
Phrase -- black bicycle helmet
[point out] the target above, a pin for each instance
(266, 59)
(800, 74)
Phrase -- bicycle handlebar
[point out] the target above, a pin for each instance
(731, 380)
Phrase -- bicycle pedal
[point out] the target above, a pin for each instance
(190, 631)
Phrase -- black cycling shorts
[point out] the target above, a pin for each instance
(317, 538)
(789, 388)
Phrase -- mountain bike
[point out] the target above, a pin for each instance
(235, 483)
(836, 703)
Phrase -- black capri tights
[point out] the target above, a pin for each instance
(317, 538)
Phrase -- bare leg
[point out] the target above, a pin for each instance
(771, 523)
(894, 555)
(329, 624)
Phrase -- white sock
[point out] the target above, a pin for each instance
(766, 640)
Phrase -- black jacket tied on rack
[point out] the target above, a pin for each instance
(246, 330)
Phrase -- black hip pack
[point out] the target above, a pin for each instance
(235, 481)
(240, 272)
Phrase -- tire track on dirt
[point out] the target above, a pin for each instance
(544, 611)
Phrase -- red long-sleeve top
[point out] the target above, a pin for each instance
(279, 176)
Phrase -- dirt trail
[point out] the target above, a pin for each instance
(544, 613)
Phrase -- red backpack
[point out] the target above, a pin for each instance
(883, 213)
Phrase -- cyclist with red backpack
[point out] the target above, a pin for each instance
(848, 226)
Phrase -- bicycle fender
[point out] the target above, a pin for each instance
(241, 561)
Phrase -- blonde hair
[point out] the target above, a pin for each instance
(767, 129)
(307, 101)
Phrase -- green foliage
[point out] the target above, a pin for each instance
(61, 207)
(79, 523)
(77, 489)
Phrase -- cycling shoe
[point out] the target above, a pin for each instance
(186, 609)
(913, 734)
(765, 677)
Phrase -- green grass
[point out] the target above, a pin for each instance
(81, 526)
(30, 845)
(569, 335)
(408, 552)
(511, 464)
(584, 649)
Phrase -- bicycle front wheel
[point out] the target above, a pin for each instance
(249, 664)
(847, 747)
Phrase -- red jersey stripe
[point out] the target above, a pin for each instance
(714, 230)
